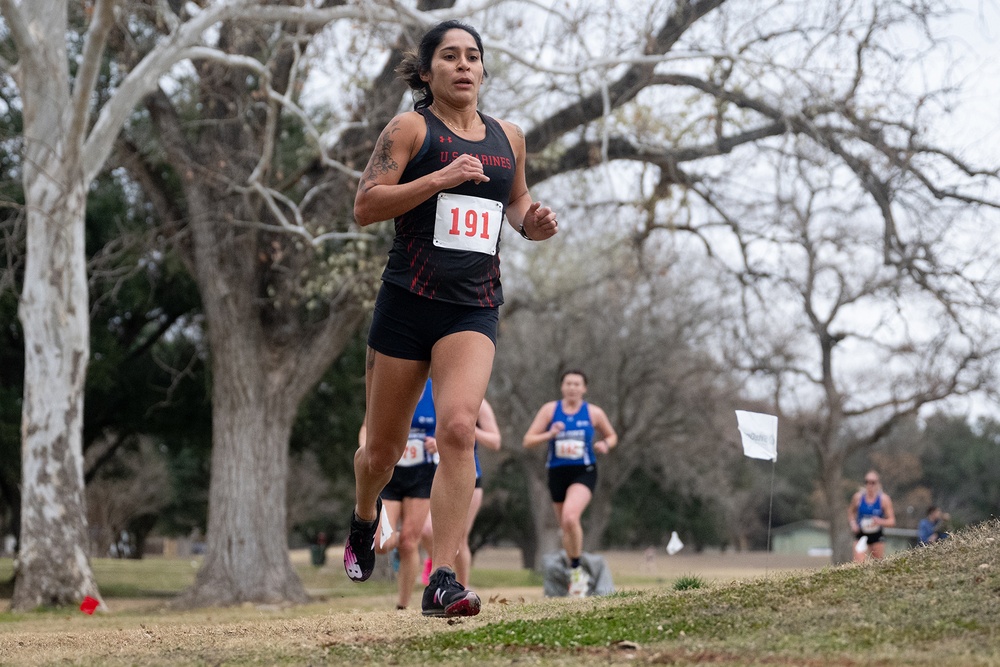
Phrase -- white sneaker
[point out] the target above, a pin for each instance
(579, 582)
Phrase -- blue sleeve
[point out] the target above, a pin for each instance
(925, 530)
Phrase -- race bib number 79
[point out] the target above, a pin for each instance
(462, 222)
(413, 455)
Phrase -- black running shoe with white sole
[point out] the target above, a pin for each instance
(445, 597)
(359, 552)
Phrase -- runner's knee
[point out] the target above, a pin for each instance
(458, 435)
(379, 459)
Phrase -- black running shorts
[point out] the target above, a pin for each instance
(873, 538)
(560, 478)
(406, 326)
(410, 482)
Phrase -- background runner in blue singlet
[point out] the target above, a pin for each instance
(568, 427)
(870, 511)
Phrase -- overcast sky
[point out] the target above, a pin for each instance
(976, 31)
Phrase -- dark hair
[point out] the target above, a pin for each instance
(418, 62)
(573, 371)
(930, 510)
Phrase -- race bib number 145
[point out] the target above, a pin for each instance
(570, 449)
(462, 222)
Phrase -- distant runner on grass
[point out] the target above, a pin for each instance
(568, 427)
(870, 511)
(449, 175)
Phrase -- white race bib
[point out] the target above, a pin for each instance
(467, 223)
(569, 449)
(868, 525)
(413, 455)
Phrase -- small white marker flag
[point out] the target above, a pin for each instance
(760, 434)
(675, 544)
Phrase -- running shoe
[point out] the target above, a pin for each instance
(428, 568)
(359, 552)
(579, 581)
(445, 597)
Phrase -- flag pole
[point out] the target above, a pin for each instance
(770, 507)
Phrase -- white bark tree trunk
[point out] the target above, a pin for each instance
(53, 568)
(52, 563)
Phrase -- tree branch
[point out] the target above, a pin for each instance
(101, 22)
(182, 43)
(19, 30)
(635, 79)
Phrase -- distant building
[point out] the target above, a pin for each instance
(811, 537)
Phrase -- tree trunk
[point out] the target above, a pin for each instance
(52, 564)
(598, 512)
(831, 476)
(247, 553)
(548, 535)
(614, 470)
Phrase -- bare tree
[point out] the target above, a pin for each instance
(852, 348)
(136, 485)
(826, 85)
(53, 307)
(310, 496)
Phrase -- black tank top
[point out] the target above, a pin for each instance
(464, 277)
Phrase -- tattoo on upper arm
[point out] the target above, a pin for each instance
(520, 132)
(381, 161)
(370, 361)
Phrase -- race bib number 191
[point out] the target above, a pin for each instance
(467, 223)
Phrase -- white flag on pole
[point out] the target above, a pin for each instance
(760, 434)
(675, 544)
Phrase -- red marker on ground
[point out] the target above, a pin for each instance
(88, 605)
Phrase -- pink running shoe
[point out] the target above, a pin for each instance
(428, 567)
(359, 552)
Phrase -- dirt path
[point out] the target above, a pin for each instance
(146, 632)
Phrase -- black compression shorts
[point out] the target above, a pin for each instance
(873, 538)
(410, 482)
(406, 326)
(561, 477)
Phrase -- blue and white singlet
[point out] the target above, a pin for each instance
(574, 445)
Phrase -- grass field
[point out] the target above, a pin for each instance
(930, 606)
